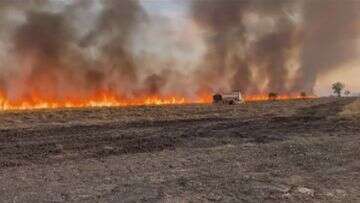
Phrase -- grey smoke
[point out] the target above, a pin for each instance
(323, 31)
(63, 49)
(57, 60)
(330, 31)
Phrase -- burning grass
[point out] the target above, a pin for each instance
(274, 96)
(101, 99)
(110, 99)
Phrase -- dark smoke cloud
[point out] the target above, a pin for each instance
(226, 23)
(323, 31)
(273, 51)
(62, 49)
(75, 49)
(331, 28)
(223, 20)
(114, 27)
(54, 59)
(44, 33)
(43, 39)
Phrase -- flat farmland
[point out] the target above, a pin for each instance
(296, 150)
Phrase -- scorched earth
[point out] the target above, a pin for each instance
(301, 150)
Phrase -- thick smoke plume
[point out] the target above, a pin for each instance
(252, 41)
(57, 59)
(331, 30)
(76, 49)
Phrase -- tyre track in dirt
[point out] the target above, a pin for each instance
(46, 145)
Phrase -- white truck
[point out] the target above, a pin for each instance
(234, 98)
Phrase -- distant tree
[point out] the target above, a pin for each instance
(347, 93)
(337, 88)
(303, 95)
(273, 96)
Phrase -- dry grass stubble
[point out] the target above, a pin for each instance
(352, 109)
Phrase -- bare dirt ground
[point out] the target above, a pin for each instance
(287, 151)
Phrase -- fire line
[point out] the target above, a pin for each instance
(108, 99)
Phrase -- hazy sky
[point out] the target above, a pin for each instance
(349, 75)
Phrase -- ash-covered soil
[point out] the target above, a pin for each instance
(299, 151)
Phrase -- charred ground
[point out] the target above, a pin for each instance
(297, 150)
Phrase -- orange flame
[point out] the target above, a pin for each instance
(100, 99)
(264, 97)
(110, 99)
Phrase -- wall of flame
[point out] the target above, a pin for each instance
(109, 99)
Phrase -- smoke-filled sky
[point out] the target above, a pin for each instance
(73, 48)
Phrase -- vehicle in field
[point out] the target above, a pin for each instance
(231, 99)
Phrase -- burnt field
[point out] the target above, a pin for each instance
(301, 150)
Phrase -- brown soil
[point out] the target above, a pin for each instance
(300, 151)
